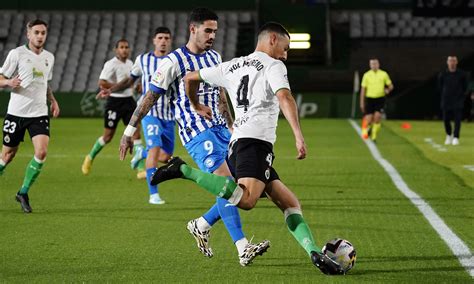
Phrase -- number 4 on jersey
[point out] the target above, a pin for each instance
(242, 93)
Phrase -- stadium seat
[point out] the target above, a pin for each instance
(83, 41)
(393, 32)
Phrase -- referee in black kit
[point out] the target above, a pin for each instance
(452, 86)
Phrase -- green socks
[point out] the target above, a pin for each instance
(32, 172)
(300, 230)
(217, 185)
(137, 144)
(3, 165)
(98, 145)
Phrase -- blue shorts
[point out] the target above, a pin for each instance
(158, 133)
(209, 148)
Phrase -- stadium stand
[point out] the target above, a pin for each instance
(83, 41)
(401, 24)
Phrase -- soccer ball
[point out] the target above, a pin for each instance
(342, 252)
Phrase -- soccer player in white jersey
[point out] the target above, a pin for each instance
(205, 140)
(158, 124)
(258, 87)
(119, 106)
(27, 70)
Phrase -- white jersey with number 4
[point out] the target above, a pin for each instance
(34, 70)
(115, 71)
(252, 82)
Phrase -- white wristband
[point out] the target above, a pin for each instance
(129, 131)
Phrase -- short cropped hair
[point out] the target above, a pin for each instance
(200, 15)
(36, 22)
(119, 41)
(273, 27)
(162, 30)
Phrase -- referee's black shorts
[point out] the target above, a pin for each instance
(374, 105)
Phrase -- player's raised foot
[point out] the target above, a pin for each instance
(137, 157)
(202, 238)
(156, 199)
(141, 175)
(86, 165)
(251, 251)
(24, 201)
(169, 171)
(325, 264)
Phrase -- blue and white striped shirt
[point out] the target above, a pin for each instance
(169, 78)
(145, 66)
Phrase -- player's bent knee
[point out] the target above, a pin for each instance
(247, 203)
(41, 154)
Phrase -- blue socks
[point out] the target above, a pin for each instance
(231, 218)
(152, 188)
(212, 216)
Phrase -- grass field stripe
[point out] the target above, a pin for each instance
(457, 246)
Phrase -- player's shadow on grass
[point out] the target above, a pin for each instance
(430, 264)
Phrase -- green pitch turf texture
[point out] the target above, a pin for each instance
(100, 228)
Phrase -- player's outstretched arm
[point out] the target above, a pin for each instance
(290, 111)
(54, 103)
(12, 83)
(142, 109)
(122, 85)
(191, 84)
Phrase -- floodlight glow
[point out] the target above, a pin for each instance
(300, 36)
(300, 45)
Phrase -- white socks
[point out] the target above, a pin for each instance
(240, 244)
(202, 224)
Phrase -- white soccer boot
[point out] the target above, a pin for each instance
(251, 251)
(448, 140)
(155, 199)
(202, 238)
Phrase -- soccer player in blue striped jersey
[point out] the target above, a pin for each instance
(158, 124)
(206, 140)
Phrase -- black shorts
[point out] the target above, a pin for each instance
(252, 158)
(116, 109)
(14, 128)
(374, 105)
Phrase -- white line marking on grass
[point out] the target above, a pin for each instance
(457, 246)
(433, 144)
(469, 167)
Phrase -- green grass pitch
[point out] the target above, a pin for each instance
(100, 228)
